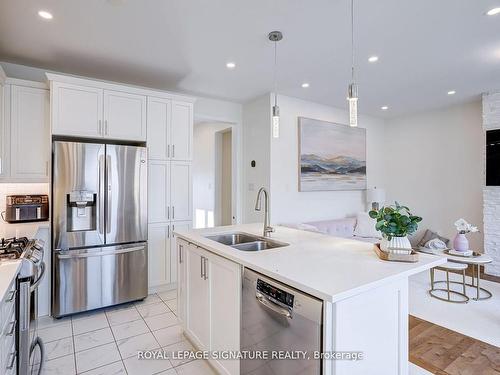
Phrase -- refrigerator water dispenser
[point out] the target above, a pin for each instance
(81, 210)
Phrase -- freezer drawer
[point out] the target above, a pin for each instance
(92, 278)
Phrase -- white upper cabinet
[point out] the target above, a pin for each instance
(182, 131)
(159, 120)
(96, 109)
(4, 130)
(77, 110)
(181, 191)
(29, 146)
(124, 116)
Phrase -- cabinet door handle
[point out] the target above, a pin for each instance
(100, 127)
(180, 253)
(201, 267)
(12, 328)
(1, 165)
(173, 212)
(11, 296)
(205, 268)
(168, 212)
(168, 151)
(106, 127)
(168, 231)
(173, 151)
(13, 359)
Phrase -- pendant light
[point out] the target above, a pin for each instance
(352, 93)
(275, 37)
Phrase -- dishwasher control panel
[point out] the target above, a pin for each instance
(275, 293)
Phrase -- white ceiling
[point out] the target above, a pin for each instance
(426, 47)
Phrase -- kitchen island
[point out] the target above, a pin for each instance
(364, 299)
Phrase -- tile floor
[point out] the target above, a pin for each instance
(106, 341)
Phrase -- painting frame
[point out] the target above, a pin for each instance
(311, 180)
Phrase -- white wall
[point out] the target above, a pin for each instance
(290, 205)
(256, 146)
(217, 110)
(204, 171)
(435, 165)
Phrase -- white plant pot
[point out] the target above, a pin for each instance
(395, 243)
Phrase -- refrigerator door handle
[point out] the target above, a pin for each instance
(109, 187)
(64, 255)
(101, 183)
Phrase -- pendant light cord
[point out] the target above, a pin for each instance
(352, 40)
(275, 73)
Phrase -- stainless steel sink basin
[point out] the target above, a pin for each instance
(246, 242)
(231, 239)
(259, 245)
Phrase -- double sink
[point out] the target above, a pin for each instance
(246, 242)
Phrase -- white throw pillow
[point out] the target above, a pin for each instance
(365, 226)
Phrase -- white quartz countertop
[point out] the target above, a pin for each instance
(330, 268)
(21, 229)
(8, 272)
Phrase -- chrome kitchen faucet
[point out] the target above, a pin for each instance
(258, 206)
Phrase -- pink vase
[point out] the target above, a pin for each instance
(460, 243)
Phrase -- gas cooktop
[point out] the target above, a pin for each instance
(12, 248)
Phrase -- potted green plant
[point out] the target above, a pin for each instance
(395, 223)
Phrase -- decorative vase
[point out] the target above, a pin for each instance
(395, 243)
(461, 243)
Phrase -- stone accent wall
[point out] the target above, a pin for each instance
(491, 111)
(491, 194)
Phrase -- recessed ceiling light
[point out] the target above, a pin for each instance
(493, 12)
(452, 92)
(373, 59)
(45, 15)
(231, 65)
(384, 108)
(305, 85)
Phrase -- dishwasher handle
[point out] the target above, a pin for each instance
(273, 306)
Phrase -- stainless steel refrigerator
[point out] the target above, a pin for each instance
(99, 226)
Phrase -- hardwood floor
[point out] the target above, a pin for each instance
(446, 352)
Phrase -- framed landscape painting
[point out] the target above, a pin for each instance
(331, 156)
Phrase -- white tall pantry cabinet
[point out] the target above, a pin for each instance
(169, 139)
(111, 112)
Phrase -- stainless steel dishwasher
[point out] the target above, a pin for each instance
(278, 322)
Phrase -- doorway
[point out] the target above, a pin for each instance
(213, 177)
(223, 177)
